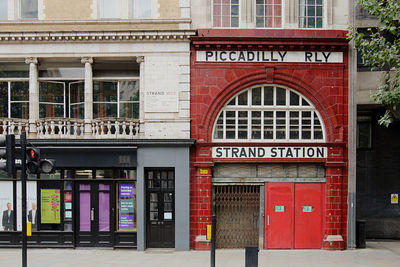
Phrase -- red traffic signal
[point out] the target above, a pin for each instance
(32, 160)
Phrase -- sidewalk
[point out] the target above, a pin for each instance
(377, 253)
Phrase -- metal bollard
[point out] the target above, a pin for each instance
(251, 257)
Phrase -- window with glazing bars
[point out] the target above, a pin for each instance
(310, 13)
(270, 113)
(268, 13)
(225, 13)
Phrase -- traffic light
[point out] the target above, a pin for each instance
(36, 165)
(7, 153)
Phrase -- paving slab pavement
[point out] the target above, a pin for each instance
(377, 254)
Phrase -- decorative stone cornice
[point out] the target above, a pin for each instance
(140, 59)
(30, 60)
(85, 60)
(130, 36)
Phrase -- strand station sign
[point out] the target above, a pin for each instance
(270, 56)
(278, 152)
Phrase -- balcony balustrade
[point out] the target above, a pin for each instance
(60, 128)
(13, 126)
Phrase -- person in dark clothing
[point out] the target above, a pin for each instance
(8, 218)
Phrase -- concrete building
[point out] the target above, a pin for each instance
(103, 88)
(378, 186)
(271, 111)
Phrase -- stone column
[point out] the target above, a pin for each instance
(140, 61)
(33, 95)
(88, 106)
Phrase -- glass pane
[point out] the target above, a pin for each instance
(256, 96)
(77, 111)
(268, 125)
(304, 102)
(256, 124)
(84, 211)
(51, 92)
(319, 23)
(294, 125)
(104, 110)
(306, 124)
(280, 96)
(317, 128)
(51, 111)
(107, 173)
(105, 91)
(104, 209)
(280, 125)
(294, 99)
(29, 9)
(129, 110)
(19, 110)
(84, 187)
(104, 187)
(3, 9)
(129, 91)
(242, 124)
(109, 8)
(242, 99)
(19, 91)
(67, 226)
(230, 124)
(77, 92)
(68, 185)
(83, 174)
(268, 96)
(219, 127)
(3, 99)
(142, 8)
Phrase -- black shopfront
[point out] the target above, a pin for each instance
(90, 201)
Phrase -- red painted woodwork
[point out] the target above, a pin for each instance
(308, 226)
(279, 224)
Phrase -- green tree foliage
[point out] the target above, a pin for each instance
(380, 47)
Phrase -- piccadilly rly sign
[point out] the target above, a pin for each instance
(270, 56)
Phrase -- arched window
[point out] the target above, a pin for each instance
(268, 113)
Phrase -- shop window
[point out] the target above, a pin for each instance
(29, 9)
(3, 9)
(268, 13)
(225, 13)
(269, 113)
(364, 132)
(126, 206)
(141, 8)
(311, 13)
(14, 99)
(116, 99)
(7, 204)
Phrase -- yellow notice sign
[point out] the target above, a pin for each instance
(394, 198)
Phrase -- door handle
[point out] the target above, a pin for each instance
(267, 219)
(92, 214)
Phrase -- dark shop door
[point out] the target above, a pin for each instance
(94, 213)
(160, 206)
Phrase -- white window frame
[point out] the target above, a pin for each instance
(9, 101)
(282, 16)
(119, 4)
(324, 15)
(20, 10)
(230, 27)
(118, 102)
(134, 10)
(287, 108)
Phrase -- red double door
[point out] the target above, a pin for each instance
(294, 215)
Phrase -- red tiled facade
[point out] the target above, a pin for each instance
(325, 85)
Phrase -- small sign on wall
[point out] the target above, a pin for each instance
(394, 198)
(279, 208)
(204, 171)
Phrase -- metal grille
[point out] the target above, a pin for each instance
(237, 208)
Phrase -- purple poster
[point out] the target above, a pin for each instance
(126, 190)
(126, 221)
